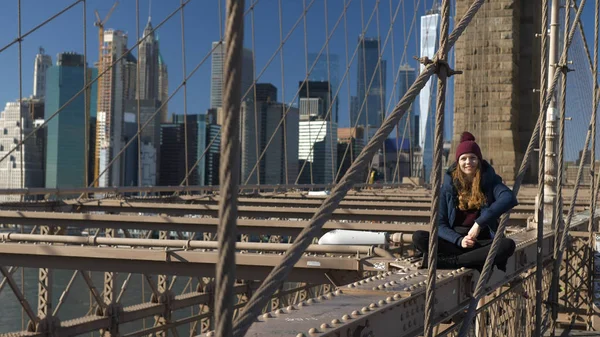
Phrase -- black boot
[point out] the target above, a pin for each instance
(447, 262)
(424, 262)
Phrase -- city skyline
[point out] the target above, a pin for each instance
(199, 100)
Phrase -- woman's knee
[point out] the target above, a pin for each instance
(421, 240)
(507, 247)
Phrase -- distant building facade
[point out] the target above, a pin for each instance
(275, 144)
(65, 133)
(25, 166)
(41, 65)
(115, 87)
(315, 101)
(217, 75)
(317, 152)
(349, 145)
(368, 108)
(203, 151)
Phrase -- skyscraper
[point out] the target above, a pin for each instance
(201, 130)
(172, 142)
(406, 77)
(114, 87)
(315, 101)
(266, 92)
(65, 148)
(148, 59)
(15, 123)
(326, 69)
(430, 30)
(163, 89)
(216, 77)
(279, 161)
(42, 63)
(317, 152)
(149, 137)
(369, 109)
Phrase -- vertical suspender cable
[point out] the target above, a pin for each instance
(437, 169)
(283, 106)
(394, 95)
(257, 141)
(229, 169)
(381, 105)
(333, 113)
(185, 114)
(86, 99)
(21, 147)
(137, 96)
(306, 83)
(593, 182)
(541, 170)
(21, 119)
(558, 219)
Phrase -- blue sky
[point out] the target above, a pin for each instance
(202, 27)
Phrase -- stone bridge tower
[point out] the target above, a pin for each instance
(495, 98)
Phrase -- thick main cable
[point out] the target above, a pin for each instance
(437, 172)
(229, 171)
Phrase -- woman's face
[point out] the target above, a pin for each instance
(468, 164)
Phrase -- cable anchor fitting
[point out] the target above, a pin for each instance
(438, 65)
(564, 67)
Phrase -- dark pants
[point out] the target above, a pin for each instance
(473, 257)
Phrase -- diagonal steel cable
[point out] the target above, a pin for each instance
(229, 171)
(280, 272)
(437, 171)
(487, 269)
(22, 37)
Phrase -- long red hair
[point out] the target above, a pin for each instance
(470, 195)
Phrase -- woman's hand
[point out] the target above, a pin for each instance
(474, 231)
(467, 242)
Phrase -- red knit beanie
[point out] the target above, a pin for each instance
(468, 145)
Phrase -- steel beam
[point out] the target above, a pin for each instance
(424, 205)
(185, 224)
(263, 212)
(41, 191)
(251, 266)
(181, 244)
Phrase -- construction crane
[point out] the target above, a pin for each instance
(100, 24)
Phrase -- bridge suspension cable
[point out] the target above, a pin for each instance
(279, 273)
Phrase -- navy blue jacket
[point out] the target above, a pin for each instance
(499, 200)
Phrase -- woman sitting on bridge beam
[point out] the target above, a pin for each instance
(472, 200)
